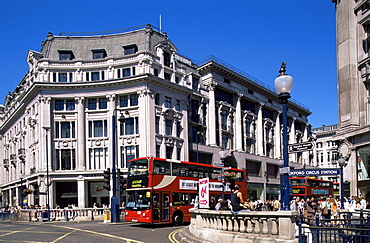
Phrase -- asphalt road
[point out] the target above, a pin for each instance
(63, 232)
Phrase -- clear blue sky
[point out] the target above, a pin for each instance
(254, 36)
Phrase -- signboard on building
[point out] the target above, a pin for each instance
(320, 172)
(300, 147)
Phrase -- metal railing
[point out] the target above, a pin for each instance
(347, 228)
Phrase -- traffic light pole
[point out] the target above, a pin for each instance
(114, 206)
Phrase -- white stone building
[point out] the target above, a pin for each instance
(353, 68)
(59, 119)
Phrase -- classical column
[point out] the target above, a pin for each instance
(45, 121)
(81, 140)
(278, 136)
(81, 191)
(292, 138)
(212, 115)
(184, 133)
(146, 118)
(260, 130)
(238, 125)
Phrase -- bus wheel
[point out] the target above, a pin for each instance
(178, 218)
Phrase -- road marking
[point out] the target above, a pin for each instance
(17, 231)
(97, 233)
(63, 236)
(172, 236)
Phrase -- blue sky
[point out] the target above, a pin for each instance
(254, 36)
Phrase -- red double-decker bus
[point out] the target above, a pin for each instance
(309, 187)
(163, 191)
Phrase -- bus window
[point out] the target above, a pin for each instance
(138, 167)
(162, 168)
(298, 182)
(194, 171)
(139, 200)
(215, 173)
(179, 169)
(180, 199)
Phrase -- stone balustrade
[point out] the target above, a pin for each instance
(246, 226)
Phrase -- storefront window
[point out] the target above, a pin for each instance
(363, 163)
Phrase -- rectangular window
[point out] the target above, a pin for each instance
(253, 168)
(157, 96)
(134, 100)
(126, 72)
(157, 124)
(95, 76)
(92, 104)
(168, 102)
(123, 101)
(167, 59)
(131, 49)
(70, 77)
(178, 105)
(63, 77)
(103, 103)
(130, 125)
(169, 151)
(66, 55)
(156, 72)
(66, 129)
(70, 105)
(66, 159)
(224, 120)
(87, 76)
(178, 157)
(158, 151)
(168, 127)
(98, 128)
(99, 54)
(195, 83)
(98, 158)
(59, 105)
(167, 76)
(118, 73)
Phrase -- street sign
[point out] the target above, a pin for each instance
(300, 147)
(320, 172)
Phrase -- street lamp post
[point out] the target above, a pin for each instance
(47, 172)
(21, 188)
(223, 154)
(341, 163)
(114, 205)
(283, 85)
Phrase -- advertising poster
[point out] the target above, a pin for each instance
(204, 193)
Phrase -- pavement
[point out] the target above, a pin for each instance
(187, 237)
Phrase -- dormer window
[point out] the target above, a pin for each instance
(131, 49)
(167, 59)
(99, 54)
(66, 55)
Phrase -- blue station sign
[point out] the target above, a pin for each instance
(320, 172)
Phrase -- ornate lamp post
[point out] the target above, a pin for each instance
(283, 85)
(223, 154)
(47, 171)
(341, 163)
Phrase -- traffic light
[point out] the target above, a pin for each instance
(107, 179)
(120, 180)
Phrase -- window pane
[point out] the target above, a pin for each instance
(126, 72)
(92, 104)
(129, 126)
(65, 130)
(123, 101)
(103, 103)
(62, 77)
(98, 128)
(95, 76)
(134, 99)
(59, 105)
(70, 105)
(168, 127)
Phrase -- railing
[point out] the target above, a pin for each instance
(348, 227)
(256, 226)
(41, 215)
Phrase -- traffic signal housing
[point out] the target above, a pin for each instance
(121, 181)
(107, 179)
